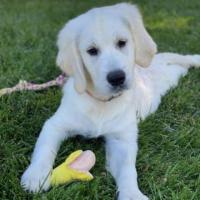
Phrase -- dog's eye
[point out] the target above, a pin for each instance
(93, 51)
(121, 43)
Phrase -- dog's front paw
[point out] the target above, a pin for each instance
(36, 178)
(126, 195)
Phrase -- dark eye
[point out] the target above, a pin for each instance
(93, 51)
(121, 43)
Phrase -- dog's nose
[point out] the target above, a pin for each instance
(116, 78)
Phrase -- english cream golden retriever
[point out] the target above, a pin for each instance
(116, 79)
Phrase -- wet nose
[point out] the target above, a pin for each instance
(116, 78)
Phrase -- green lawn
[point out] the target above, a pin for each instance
(169, 156)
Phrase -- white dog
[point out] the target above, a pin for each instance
(115, 80)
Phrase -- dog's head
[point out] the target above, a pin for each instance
(100, 48)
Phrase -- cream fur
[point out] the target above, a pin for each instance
(116, 120)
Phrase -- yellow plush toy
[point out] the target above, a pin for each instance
(75, 168)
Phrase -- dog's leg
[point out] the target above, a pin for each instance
(155, 81)
(121, 158)
(182, 60)
(36, 176)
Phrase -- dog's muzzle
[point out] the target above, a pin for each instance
(116, 78)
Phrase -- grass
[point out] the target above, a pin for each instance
(169, 156)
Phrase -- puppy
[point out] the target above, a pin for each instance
(116, 79)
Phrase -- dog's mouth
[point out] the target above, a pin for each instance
(114, 93)
(115, 96)
(119, 89)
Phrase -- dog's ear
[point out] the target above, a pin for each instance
(68, 58)
(144, 44)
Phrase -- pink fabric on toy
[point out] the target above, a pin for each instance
(84, 162)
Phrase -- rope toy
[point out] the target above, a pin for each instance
(24, 85)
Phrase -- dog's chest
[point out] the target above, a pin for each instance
(101, 122)
(94, 119)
